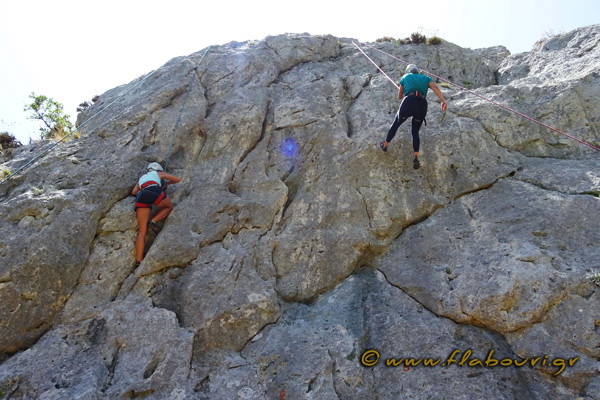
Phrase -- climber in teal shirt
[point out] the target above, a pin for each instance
(413, 92)
(414, 82)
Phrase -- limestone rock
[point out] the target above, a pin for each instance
(525, 261)
(296, 245)
(322, 345)
(564, 57)
(109, 356)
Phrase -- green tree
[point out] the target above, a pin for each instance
(55, 122)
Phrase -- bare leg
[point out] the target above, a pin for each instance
(143, 215)
(165, 209)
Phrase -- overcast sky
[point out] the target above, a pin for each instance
(72, 50)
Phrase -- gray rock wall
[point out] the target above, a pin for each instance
(296, 245)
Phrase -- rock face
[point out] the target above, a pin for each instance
(300, 261)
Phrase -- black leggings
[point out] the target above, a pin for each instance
(411, 106)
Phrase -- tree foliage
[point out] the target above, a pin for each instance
(50, 113)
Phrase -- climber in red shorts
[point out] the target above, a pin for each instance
(149, 191)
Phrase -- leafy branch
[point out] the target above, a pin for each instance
(50, 113)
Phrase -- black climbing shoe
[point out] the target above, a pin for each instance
(154, 226)
(416, 163)
(383, 146)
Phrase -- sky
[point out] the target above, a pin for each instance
(72, 50)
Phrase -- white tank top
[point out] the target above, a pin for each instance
(150, 176)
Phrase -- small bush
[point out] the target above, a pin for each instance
(594, 276)
(8, 141)
(87, 104)
(417, 38)
(5, 173)
(414, 38)
(7, 387)
(57, 132)
(83, 106)
(36, 191)
(434, 41)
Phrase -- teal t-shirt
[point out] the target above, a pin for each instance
(412, 82)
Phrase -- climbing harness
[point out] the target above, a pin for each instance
(149, 183)
(473, 93)
(173, 134)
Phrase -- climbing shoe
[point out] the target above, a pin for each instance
(154, 226)
(383, 146)
(416, 163)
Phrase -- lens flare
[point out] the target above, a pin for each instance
(289, 147)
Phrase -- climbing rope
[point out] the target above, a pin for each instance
(173, 134)
(378, 67)
(55, 144)
(475, 94)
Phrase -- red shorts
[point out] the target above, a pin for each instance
(149, 196)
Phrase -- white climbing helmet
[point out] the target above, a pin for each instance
(412, 69)
(154, 167)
